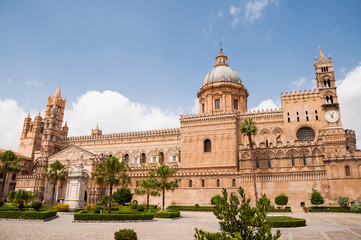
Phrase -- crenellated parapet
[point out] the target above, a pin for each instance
(210, 117)
(128, 135)
(300, 95)
(264, 115)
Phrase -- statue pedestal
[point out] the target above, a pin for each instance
(75, 188)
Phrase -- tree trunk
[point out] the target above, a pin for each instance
(148, 201)
(110, 199)
(3, 187)
(163, 197)
(52, 198)
(253, 167)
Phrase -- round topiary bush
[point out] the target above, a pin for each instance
(36, 205)
(98, 209)
(281, 199)
(196, 205)
(125, 234)
(134, 205)
(140, 208)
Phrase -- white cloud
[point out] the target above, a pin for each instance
(250, 10)
(115, 113)
(11, 119)
(195, 108)
(10, 81)
(266, 104)
(220, 14)
(34, 83)
(299, 83)
(349, 92)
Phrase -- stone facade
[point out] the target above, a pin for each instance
(296, 148)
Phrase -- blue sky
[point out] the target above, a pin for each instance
(156, 53)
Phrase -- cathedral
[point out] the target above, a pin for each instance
(296, 148)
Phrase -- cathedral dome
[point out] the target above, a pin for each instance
(221, 72)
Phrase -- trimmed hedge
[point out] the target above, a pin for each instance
(286, 209)
(284, 222)
(191, 208)
(112, 217)
(28, 214)
(166, 214)
(331, 209)
(111, 209)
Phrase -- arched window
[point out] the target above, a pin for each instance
(305, 134)
(257, 162)
(347, 171)
(293, 161)
(218, 183)
(126, 159)
(304, 161)
(233, 182)
(328, 82)
(190, 183)
(143, 158)
(269, 162)
(203, 183)
(207, 145)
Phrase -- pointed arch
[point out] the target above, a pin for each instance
(280, 154)
(245, 155)
(316, 152)
(304, 152)
(292, 152)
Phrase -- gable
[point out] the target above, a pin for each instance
(72, 153)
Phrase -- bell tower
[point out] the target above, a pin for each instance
(53, 121)
(326, 85)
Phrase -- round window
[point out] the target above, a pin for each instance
(305, 134)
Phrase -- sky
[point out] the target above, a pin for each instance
(137, 65)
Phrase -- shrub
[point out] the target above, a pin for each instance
(98, 209)
(286, 209)
(140, 208)
(134, 206)
(135, 202)
(28, 214)
(61, 207)
(192, 208)
(1, 203)
(316, 197)
(281, 199)
(104, 200)
(89, 207)
(196, 205)
(36, 205)
(173, 203)
(83, 215)
(283, 221)
(122, 195)
(215, 199)
(356, 207)
(343, 202)
(169, 214)
(125, 234)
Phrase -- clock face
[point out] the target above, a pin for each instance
(332, 116)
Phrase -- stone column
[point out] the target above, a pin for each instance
(75, 188)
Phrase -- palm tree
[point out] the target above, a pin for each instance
(148, 187)
(249, 128)
(21, 196)
(9, 163)
(56, 173)
(164, 172)
(113, 172)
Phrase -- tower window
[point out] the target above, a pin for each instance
(207, 145)
(304, 160)
(269, 162)
(233, 182)
(202, 107)
(347, 171)
(316, 111)
(298, 119)
(288, 114)
(203, 183)
(306, 118)
(217, 104)
(190, 183)
(257, 162)
(235, 104)
(218, 183)
(306, 112)
(289, 120)
(316, 117)
(297, 113)
(293, 161)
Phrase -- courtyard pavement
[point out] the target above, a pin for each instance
(319, 226)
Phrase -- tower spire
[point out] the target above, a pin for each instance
(321, 54)
(57, 92)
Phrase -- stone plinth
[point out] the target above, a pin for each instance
(75, 188)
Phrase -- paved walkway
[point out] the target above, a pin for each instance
(319, 226)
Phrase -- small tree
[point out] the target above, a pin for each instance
(148, 187)
(343, 202)
(21, 196)
(113, 172)
(56, 173)
(122, 196)
(164, 172)
(281, 199)
(104, 200)
(9, 162)
(316, 197)
(238, 220)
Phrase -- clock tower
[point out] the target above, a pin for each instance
(326, 85)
